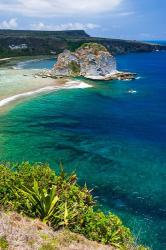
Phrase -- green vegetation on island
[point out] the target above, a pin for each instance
(95, 46)
(57, 200)
(74, 67)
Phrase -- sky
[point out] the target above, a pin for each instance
(127, 19)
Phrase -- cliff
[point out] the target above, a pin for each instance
(27, 43)
(91, 60)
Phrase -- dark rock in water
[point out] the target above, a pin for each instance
(122, 76)
(115, 76)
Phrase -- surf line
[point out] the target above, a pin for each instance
(7, 100)
(67, 85)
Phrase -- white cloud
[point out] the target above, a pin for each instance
(9, 24)
(66, 26)
(58, 7)
(126, 13)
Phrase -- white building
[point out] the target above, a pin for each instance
(20, 46)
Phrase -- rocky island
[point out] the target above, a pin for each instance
(92, 61)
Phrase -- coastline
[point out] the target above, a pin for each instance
(9, 62)
(18, 84)
(130, 154)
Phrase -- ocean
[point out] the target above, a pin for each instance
(112, 134)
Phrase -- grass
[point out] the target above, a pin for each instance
(3, 243)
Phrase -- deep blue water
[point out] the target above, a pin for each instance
(115, 140)
(162, 42)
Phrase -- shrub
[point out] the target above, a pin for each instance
(40, 201)
(104, 228)
(75, 67)
(15, 176)
(37, 191)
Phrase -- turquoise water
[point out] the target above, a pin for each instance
(37, 64)
(115, 140)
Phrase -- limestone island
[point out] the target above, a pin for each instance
(92, 61)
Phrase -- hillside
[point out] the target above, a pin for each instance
(27, 43)
(54, 203)
(19, 232)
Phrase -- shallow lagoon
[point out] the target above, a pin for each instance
(115, 140)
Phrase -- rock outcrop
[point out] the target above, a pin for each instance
(92, 61)
(89, 60)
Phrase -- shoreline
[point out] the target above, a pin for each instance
(10, 99)
(13, 61)
(66, 85)
(16, 84)
(45, 85)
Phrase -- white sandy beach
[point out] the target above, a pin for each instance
(18, 84)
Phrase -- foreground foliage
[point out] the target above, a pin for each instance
(36, 190)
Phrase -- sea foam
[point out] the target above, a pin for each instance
(18, 96)
(77, 84)
(68, 85)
